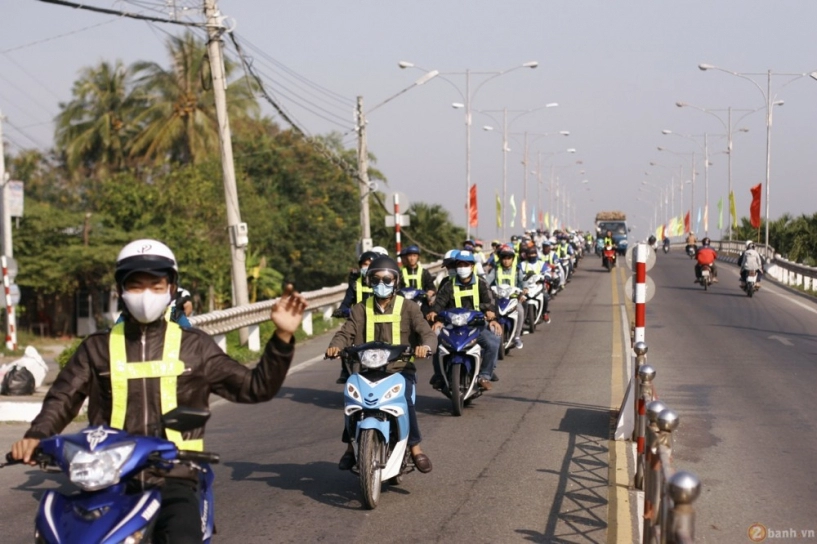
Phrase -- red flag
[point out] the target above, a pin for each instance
(473, 211)
(686, 223)
(754, 208)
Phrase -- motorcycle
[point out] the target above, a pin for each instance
(417, 295)
(535, 285)
(706, 276)
(507, 302)
(552, 279)
(608, 259)
(752, 282)
(101, 462)
(691, 250)
(460, 356)
(377, 417)
(666, 245)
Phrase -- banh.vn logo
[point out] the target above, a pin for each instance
(759, 533)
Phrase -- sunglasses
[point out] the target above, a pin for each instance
(388, 280)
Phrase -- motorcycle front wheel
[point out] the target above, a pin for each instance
(531, 318)
(458, 388)
(371, 444)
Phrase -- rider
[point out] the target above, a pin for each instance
(470, 246)
(536, 264)
(608, 239)
(413, 273)
(466, 290)
(385, 317)
(509, 273)
(706, 256)
(357, 291)
(563, 251)
(750, 259)
(691, 241)
(129, 395)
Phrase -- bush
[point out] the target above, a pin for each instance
(68, 352)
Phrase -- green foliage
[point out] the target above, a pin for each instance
(794, 238)
(66, 354)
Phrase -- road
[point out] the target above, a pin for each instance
(529, 461)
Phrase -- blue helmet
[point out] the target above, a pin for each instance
(465, 257)
(410, 250)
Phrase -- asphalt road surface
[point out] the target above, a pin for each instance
(528, 462)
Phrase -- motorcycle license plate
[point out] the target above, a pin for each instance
(751, 278)
(705, 273)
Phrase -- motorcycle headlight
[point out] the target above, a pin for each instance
(409, 295)
(374, 358)
(459, 320)
(393, 392)
(503, 291)
(92, 470)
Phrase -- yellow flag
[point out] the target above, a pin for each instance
(733, 210)
(547, 221)
(498, 211)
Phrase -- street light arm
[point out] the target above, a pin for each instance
(424, 79)
(715, 115)
(522, 114)
(500, 73)
(705, 67)
(405, 64)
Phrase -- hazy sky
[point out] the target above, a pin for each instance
(616, 70)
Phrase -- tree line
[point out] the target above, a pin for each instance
(795, 238)
(136, 154)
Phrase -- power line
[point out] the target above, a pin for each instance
(23, 133)
(121, 13)
(44, 40)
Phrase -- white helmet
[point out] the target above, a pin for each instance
(146, 256)
(749, 243)
(381, 250)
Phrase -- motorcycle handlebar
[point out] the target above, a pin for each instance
(199, 457)
(39, 457)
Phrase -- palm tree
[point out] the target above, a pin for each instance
(431, 227)
(179, 122)
(94, 128)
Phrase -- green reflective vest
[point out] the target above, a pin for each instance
(472, 292)
(417, 277)
(394, 318)
(360, 289)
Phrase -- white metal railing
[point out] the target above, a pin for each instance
(324, 300)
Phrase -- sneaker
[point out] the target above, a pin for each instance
(347, 461)
(436, 381)
(546, 317)
(517, 343)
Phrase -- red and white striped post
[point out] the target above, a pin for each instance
(11, 329)
(641, 252)
(397, 227)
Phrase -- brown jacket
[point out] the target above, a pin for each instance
(414, 330)
(207, 370)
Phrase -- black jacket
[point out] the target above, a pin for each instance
(445, 297)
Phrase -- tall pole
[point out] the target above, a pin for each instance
(238, 240)
(706, 184)
(768, 150)
(468, 154)
(692, 204)
(539, 187)
(504, 171)
(729, 170)
(525, 183)
(363, 178)
(8, 249)
(550, 197)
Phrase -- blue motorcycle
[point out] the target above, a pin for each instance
(507, 301)
(377, 417)
(460, 355)
(101, 461)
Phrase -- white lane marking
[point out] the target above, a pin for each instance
(781, 339)
(625, 338)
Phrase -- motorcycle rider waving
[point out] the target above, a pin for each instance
(377, 320)
(112, 370)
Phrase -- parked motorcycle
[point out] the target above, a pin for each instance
(377, 417)
(752, 282)
(608, 259)
(507, 302)
(535, 297)
(101, 462)
(460, 355)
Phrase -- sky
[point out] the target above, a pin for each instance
(616, 70)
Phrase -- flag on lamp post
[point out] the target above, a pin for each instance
(513, 213)
(686, 222)
(523, 217)
(498, 211)
(473, 209)
(547, 221)
(720, 214)
(706, 217)
(533, 216)
(733, 210)
(698, 223)
(754, 208)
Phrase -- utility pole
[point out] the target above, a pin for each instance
(238, 230)
(4, 186)
(363, 178)
(525, 181)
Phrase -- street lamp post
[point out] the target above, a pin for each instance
(730, 127)
(692, 181)
(468, 98)
(769, 100)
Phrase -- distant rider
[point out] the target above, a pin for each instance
(706, 256)
(750, 260)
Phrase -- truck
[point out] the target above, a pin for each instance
(616, 223)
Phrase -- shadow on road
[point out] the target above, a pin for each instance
(320, 481)
(39, 482)
(579, 509)
(322, 398)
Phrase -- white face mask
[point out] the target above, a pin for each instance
(464, 271)
(147, 306)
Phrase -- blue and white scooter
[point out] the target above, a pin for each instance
(507, 302)
(100, 461)
(460, 355)
(377, 417)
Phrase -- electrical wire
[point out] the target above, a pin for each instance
(25, 134)
(120, 13)
(71, 33)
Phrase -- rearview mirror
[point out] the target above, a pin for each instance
(184, 419)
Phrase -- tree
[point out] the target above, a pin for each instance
(94, 129)
(179, 120)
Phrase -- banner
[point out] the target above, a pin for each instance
(720, 214)
(698, 223)
(679, 226)
(706, 217)
(547, 221)
(498, 211)
(523, 217)
(473, 208)
(659, 232)
(513, 213)
(533, 224)
(754, 208)
(686, 222)
(733, 211)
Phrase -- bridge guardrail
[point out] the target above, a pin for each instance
(220, 322)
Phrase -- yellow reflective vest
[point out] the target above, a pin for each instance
(360, 289)
(472, 292)
(394, 318)
(417, 277)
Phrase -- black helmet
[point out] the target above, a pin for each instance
(382, 264)
(506, 251)
(367, 256)
(706, 241)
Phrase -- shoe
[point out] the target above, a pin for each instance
(517, 343)
(494, 377)
(714, 280)
(422, 462)
(484, 384)
(347, 461)
(546, 318)
(743, 285)
(436, 382)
